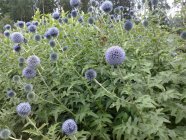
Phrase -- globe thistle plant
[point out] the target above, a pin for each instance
(28, 24)
(65, 20)
(29, 72)
(106, 6)
(75, 3)
(47, 35)
(69, 127)
(5, 134)
(36, 23)
(23, 109)
(94, 3)
(52, 43)
(115, 55)
(33, 61)
(17, 37)
(21, 60)
(128, 25)
(65, 48)
(90, 74)
(80, 19)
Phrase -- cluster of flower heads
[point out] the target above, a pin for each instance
(32, 62)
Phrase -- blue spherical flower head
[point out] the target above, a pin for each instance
(56, 15)
(154, 2)
(23, 109)
(69, 127)
(5, 133)
(28, 24)
(16, 78)
(91, 20)
(90, 74)
(54, 32)
(33, 61)
(7, 27)
(20, 24)
(117, 10)
(128, 25)
(17, 48)
(145, 23)
(106, 6)
(53, 57)
(115, 55)
(37, 37)
(32, 28)
(80, 19)
(17, 37)
(10, 93)
(21, 60)
(35, 23)
(74, 13)
(183, 35)
(47, 35)
(31, 96)
(6, 33)
(90, 9)
(65, 20)
(52, 43)
(75, 3)
(94, 3)
(29, 72)
(28, 87)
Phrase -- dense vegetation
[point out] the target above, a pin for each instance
(93, 76)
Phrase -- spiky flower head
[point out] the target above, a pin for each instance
(128, 25)
(106, 6)
(10, 93)
(31, 96)
(75, 3)
(115, 55)
(145, 23)
(154, 2)
(74, 13)
(29, 72)
(183, 35)
(65, 48)
(28, 24)
(91, 20)
(80, 19)
(17, 48)
(69, 127)
(23, 109)
(53, 31)
(47, 34)
(28, 87)
(94, 3)
(6, 33)
(37, 37)
(32, 28)
(52, 43)
(35, 23)
(117, 10)
(7, 27)
(20, 24)
(17, 37)
(33, 61)
(16, 78)
(21, 59)
(5, 134)
(90, 74)
(53, 57)
(56, 15)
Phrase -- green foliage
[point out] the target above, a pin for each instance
(144, 98)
